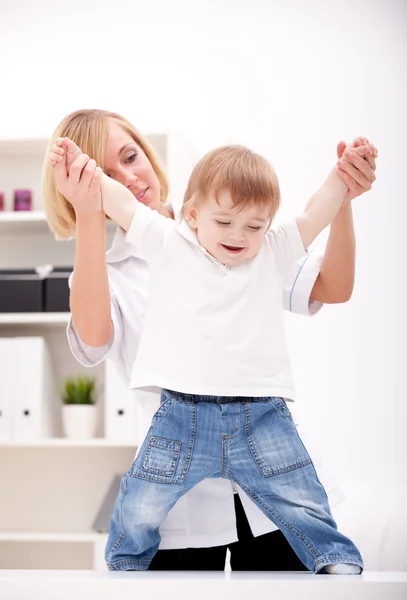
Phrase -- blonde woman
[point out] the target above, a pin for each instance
(108, 296)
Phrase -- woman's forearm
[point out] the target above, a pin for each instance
(90, 294)
(337, 275)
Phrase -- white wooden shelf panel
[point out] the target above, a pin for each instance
(69, 443)
(38, 318)
(38, 536)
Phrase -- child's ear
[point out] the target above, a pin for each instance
(192, 216)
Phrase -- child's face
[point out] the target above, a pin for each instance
(230, 234)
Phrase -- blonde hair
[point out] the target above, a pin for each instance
(247, 176)
(89, 130)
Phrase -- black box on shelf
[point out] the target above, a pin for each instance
(56, 290)
(21, 290)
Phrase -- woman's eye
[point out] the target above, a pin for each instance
(223, 222)
(131, 158)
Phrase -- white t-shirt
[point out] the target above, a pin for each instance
(205, 516)
(226, 336)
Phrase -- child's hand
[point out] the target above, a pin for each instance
(356, 166)
(78, 178)
(65, 151)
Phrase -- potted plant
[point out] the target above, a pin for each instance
(79, 414)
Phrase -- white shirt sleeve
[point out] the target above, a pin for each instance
(298, 281)
(148, 231)
(285, 244)
(89, 356)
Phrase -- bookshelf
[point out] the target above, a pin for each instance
(53, 487)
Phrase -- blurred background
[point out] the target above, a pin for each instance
(290, 79)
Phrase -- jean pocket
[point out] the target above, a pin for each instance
(273, 439)
(167, 402)
(166, 453)
(162, 456)
(281, 406)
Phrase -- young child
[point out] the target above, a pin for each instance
(224, 370)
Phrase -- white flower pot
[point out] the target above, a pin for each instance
(80, 421)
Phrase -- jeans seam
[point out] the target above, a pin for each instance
(122, 534)
(294, 530)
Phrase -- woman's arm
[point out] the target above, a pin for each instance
(336, 277)
(90, 294)
(335, 281)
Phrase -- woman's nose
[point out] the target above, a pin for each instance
(127, 178)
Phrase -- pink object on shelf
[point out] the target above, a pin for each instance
(22, 199)
(1, 201)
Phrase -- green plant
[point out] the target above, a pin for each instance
(78, 390)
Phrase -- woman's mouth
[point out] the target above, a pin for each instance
(142, 196)
(233, 249)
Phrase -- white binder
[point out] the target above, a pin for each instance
(7, 347)
(37, 406)
(120, 410)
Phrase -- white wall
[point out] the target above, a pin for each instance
(289, 78)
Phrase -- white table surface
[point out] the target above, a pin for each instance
(159, 585)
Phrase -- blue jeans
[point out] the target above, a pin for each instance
(251, 441)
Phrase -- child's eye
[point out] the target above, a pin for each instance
(223, 222)
(254, 227)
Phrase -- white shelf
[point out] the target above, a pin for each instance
(36, 146)
(23, 221)
(68, 443)
(39, 318)
(22, 216)
(38, 536)
(29, 221)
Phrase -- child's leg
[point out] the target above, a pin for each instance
(176, 455)
(271, 464)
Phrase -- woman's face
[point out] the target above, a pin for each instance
(126, 162)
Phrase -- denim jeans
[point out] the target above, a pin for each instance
(251, 441)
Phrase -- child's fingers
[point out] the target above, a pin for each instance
(71, 147)
(57, 149)
(365, 152)
(363, 141)
(55, 158)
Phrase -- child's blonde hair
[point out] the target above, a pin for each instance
(89, 130)
(247, 176)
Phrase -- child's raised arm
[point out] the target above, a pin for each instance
(324, 205)
(118, 202)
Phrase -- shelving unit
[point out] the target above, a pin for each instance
(52, 488)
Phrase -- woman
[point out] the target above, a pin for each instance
(108, 294)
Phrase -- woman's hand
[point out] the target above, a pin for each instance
(356, 166)
(77, 177)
